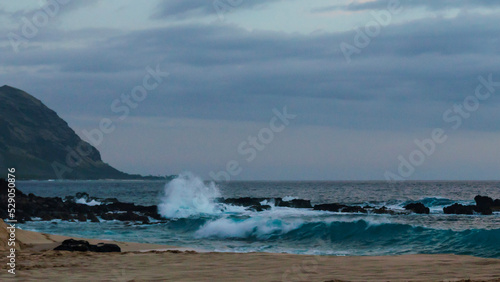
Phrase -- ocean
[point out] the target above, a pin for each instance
(195, 219)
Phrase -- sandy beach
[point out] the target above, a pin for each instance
(36, 261)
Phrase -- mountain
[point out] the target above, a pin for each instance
(40, 145)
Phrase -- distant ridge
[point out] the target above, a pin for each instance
(36, 142)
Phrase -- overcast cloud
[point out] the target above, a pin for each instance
(226, 76)
(431, 5)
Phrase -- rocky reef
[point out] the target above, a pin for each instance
(484, 205)
(80, 207)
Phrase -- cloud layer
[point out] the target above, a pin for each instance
(400, 84)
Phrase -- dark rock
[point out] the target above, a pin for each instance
(251, 202)
(483, 201)
(417, 208)
(296, 203)
(383, 210)
(110, 200)
(74, 245)
(3, 213)
(484, 204)
(106, 248)
(130, 216)
(259, 207)
(82, 195)
(483, 210)
(339, 208)
(46, 217)
(154, 215)
(245, 201)
(49, 208)
(82, 217)
(65, 216)
(69, 199)
(108, 216)
(23, 219)
(329, 207)
(496, 205)
(354, 209)
(146, 209)
(92, 217)
(121, 206)
(458, 209)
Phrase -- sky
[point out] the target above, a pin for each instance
(268, 90)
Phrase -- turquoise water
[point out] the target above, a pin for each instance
(194, 219)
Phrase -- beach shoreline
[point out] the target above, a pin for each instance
(37, 261)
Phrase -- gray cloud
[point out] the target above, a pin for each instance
(362, 114)
(63, 7)
(407, 77)
(179, 9)
(427, 4)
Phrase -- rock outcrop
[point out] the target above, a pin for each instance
(417, 208)
(484, 205)
(49, 208)
(73, 245)
(256, 203)
(41, 145)
(458, 209)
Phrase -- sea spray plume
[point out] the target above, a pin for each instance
(188, 195)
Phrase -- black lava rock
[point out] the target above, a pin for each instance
(483, 204)
(295, 203)
(329, 207)
(417, 208)
(354, 209)
(105, 248)
(459, 209)
(73, 245)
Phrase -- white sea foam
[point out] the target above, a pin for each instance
(91, 203)
(187, 195)
(267, 202)
(259, 227)
(289, 198)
